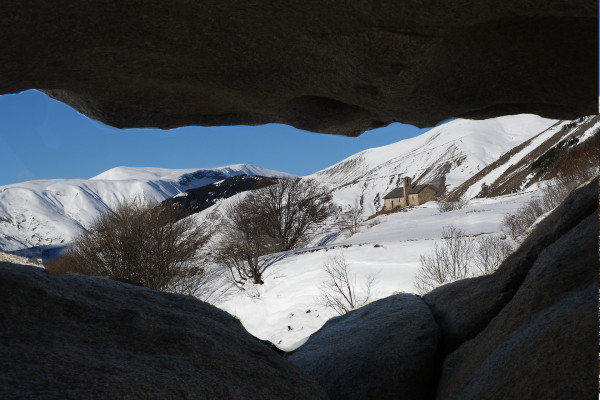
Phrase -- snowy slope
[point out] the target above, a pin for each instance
(46, 212)
(286, 309)
(446, 156)
(517, 170)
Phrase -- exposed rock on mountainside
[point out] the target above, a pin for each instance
(195, 200)
(71, 336)
(53, 211)
(335, 67)
(561, 149)
(384, 350)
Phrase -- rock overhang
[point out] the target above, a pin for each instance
(333, 67)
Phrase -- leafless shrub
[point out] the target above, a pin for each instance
(446, 206)
(352, 220)
(449, 261)
(551, 195)
(490, 251)
(243, 242)
(138, 241)
(459, 256)
(65, 264)
(272, 219)
(339, 291)
(511, 225)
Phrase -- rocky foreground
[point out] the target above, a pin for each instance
(528, 331)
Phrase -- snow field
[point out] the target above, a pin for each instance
(390, 248)
(46, 212)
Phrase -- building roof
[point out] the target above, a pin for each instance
(399, 192)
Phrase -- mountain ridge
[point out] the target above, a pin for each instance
(445, 156)
(52, 211)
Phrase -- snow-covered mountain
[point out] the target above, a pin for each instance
(533, 160)
(50, 212)
(446, 156)
(286, 309)
(47, 212)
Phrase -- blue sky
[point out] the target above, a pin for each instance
(41, 138)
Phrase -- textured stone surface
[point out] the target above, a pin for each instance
(74, 337)
(385, 350)
(336, 67)
(543, 344)
(463, 308)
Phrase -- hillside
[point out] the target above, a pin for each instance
(535, 160)
(198, 199)
(51, 212)
(286, 309)
(445, 156)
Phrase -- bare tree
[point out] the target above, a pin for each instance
(290, 210)
(352, 219)
(449, 261)
(272, 219)
(138, 241)
(339, 291)
(445, 206)
(243, 242)
(490, 251)
(459, 256)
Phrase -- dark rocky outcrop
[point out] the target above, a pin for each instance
(385, 350)
(75, 337)
(528, 331)
(543, 344)
(464, 308)
(198, 199)
(335, 67)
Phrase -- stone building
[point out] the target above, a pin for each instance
(415, 195)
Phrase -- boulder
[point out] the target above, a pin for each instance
(384, 350)
(336, 67)
(464, 308)
(78, 337)
(544, 343)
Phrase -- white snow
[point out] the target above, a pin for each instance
(462, 146)
(497, 172)
(142, 174)
(46, 212)
(590, 132)
(285, 310)
(278, 311)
